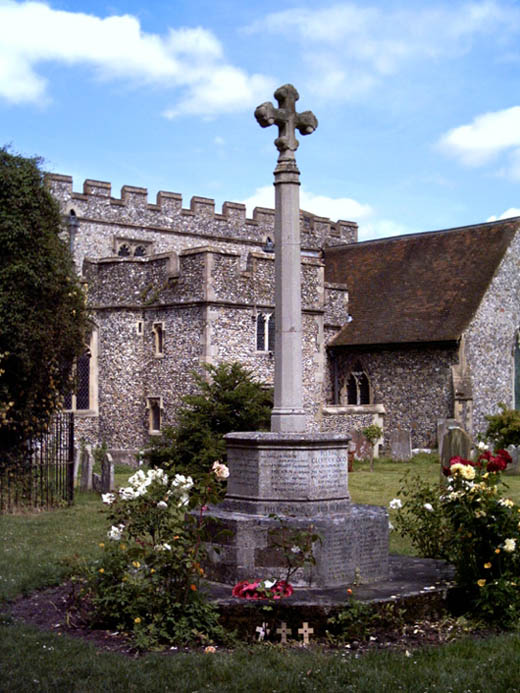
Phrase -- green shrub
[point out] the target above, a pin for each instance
(504, 428)
(147, 580)
(473, 526)
(228, 400)
(420, 516)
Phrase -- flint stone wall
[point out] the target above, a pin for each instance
(413, 386)
(207, 300)
(490, 338)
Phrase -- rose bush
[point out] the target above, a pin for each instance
(147, 580)
(481, 533)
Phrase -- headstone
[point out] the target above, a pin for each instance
(107, 473)
(456, 443)
(96, 483)
(362, 447)
(442, 429)
(514, 467)
(401, 445)
(77, 456)
(87, 465)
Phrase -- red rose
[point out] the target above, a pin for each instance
(458, 460)
(504, 455)
(496, 464)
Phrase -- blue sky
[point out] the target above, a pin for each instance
(418, 102)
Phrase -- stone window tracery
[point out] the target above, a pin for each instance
(130, 247)
(154, 406)
(83, 396)
(158, 331)
(358, 386)
(265, 332)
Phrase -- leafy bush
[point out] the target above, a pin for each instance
(229, 400)
(147, 580)
(475, 528)
(504, 428)
(420, 517)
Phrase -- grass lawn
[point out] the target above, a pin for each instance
(32, 546)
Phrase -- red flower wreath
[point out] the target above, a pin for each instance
(257, 590)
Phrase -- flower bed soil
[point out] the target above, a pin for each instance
(52, 610)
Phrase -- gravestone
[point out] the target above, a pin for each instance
(514, 467)
(77, 455)
(401, 445)
(362, 447)
(442, 429)
(87, 466)
(300, 477)
(456, 443)
(96, 483)
(107, 473)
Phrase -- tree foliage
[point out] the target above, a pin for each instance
(42, 307)
(228, 400)
(504, 428)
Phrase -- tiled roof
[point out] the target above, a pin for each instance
(423, 287)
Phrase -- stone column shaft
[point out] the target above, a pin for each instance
(288, 414)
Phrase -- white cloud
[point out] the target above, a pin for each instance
(192, 59)
(382, 228)
(487, 136)
(351, 48)
(337, 208)
(511, 212)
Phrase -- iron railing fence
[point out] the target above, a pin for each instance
(42, 474)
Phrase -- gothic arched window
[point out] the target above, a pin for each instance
(265, 332)
(83, 396)
(358, 386)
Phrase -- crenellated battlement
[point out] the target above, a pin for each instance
(97, 203)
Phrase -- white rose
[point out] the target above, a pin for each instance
(395, 504)
(509, 545)
(428, 507)
(108, 498)
(220, 470)
(115, 532)
(162, 504)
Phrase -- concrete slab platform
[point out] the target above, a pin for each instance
(419, 587)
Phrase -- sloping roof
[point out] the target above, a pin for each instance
(423, 287)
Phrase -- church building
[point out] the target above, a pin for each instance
(400, 331)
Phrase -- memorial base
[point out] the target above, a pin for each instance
(300, 480)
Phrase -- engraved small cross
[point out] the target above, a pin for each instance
(306, 632)
(283, 632)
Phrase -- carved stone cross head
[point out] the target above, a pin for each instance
(287, 119)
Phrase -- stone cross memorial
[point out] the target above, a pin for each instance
(288, 414)
(289, 473)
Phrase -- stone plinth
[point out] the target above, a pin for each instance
(303, 479)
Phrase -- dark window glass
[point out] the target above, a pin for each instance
(83, 381)
(260, 332)
(270, 334)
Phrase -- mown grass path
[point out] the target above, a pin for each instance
(33, 546)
